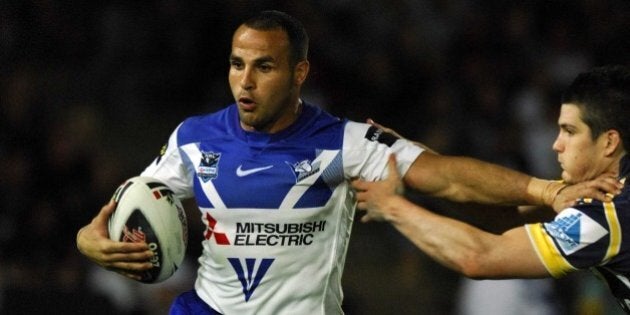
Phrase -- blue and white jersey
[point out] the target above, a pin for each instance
(278, 208)
(590, 235)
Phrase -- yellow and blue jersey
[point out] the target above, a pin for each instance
(590, 235)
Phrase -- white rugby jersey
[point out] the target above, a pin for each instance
(278, 208)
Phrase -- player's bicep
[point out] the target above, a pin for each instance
(514, 256)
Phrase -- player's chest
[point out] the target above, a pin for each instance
(265, 177)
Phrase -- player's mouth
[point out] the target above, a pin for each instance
(246, 103)
(561, 164)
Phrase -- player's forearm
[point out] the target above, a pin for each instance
(464, 179)
(452, 243)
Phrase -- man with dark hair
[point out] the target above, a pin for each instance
(592, 141)
(276, 200)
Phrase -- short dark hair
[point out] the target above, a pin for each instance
(272, 19)
(603, 96)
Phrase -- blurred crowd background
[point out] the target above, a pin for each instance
(90, 90)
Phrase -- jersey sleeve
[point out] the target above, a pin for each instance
(578, 238)
(170, 168)
(366, 150)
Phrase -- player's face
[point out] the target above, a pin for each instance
(580, 157)
(264, 85)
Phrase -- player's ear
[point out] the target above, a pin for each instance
(301, 71)
(613, 141)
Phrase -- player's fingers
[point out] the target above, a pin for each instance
(379, 126)
(136, 260)
(361, 205)
(112, 247)
(607, 184)
(105, 213)
(385, 129)
(359, 185)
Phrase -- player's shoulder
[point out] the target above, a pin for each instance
(316, 123)
(367, 132)
(196, 127)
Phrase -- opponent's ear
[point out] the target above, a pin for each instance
(613, 141)
(301, 71)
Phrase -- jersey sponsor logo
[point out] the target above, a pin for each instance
(240, 172)
(219, 237)
(265, 234)
(251, 273)
(304, 169)
(573, 230)
(379, 135)
(209, 166)
(277, 234)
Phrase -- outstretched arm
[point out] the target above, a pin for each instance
(127, 259)
(457, 245)
(465, 179)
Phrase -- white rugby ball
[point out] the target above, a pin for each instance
(148, 211)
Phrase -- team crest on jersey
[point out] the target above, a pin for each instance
(209, 166)
(573, 230)
(304, 169)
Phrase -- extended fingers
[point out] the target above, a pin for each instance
(606, 183)
(129, 265)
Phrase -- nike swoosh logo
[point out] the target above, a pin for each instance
(240, 172)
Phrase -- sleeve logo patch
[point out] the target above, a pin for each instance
(574, 230)
(379, 135)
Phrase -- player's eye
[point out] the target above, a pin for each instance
(265, 67)
(236, 64)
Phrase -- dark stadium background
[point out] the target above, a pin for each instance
(90, 90)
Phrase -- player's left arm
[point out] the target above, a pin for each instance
(464, 179)
(455, 244)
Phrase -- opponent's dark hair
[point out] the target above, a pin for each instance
(603, 96)
(272, 19)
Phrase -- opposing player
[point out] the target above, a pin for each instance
(594, 134)
(271, 176)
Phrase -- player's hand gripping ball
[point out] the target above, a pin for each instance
(148, 211)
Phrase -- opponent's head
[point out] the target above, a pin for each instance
(268, 65)
(594, 132)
